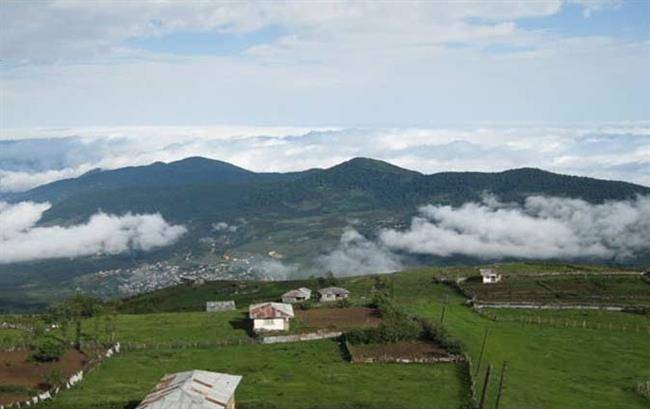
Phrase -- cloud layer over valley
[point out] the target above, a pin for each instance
(541, 228)
(30, 157)
(21, 240)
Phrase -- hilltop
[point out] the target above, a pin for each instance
(238, 221)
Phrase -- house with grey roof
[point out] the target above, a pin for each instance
(270, 316)
(333, 294)
(297, 295)
(489, 276)
(193, 390)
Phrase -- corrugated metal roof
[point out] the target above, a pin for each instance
(298, 292)
(486, 271)
(192, 390)
(270, 310)
(334, 291)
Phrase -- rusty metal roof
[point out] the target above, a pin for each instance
(270, 310)
(192, 390)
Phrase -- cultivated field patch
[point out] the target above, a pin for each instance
(21, 377)
(584, 289)
(405, 351)
(336, 319)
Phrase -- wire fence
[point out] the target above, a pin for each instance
(566, 322)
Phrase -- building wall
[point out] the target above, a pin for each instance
(293, 300)
(272, 324)
(328, 297)
(491, 279)
(214, 306)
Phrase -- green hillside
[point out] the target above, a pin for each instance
(300, 215)
(566, 359)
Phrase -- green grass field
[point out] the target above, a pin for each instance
(9, 337)
(549, 366)
(288, 376)
(599, 319)
(169, 327)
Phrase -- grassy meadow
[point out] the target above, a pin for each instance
(286, 376)
(549, 366)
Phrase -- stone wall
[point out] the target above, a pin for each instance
(312, 336)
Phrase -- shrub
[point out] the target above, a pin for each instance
(439, 334)
(343, 303)
(47, 349)
(643, 389)
(399, 328)
(307, 305)
(393, 329)
(53, 378)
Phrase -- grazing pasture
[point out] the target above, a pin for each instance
(549, 366)
(302, 375)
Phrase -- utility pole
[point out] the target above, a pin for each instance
(502, 382)
(486, 384)
(480, 358)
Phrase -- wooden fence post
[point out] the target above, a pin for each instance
(502, 382)
(486, 384)
(480, 358)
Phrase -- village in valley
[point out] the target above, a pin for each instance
(444, 338)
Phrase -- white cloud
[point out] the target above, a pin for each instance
(544, 227)
(611, 150)
(21, 240)
(356, 255)
(345, 62)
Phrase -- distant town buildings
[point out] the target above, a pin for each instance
(297, 295)
(270, 316)
(217, 306)
(489, 276)
(193, 390)
(192, 281)
(333, 294)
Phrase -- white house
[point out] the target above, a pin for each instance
(490, 276)
(333, 293)
(270, 316)
(297, 295)
(193, 390)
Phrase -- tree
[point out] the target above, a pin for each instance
(47, 349)
(75, 310)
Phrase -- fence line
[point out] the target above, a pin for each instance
(69, 383)
(566, 323)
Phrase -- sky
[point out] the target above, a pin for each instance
(345, 63)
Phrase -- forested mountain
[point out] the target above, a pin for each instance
(238, 221)
(197, 187)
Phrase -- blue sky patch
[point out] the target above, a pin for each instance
(205, 42)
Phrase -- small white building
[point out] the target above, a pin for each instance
(193, 390)
(297, 295)
(333, 294)
(270, 316)
(490, 276)
(218, 306)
